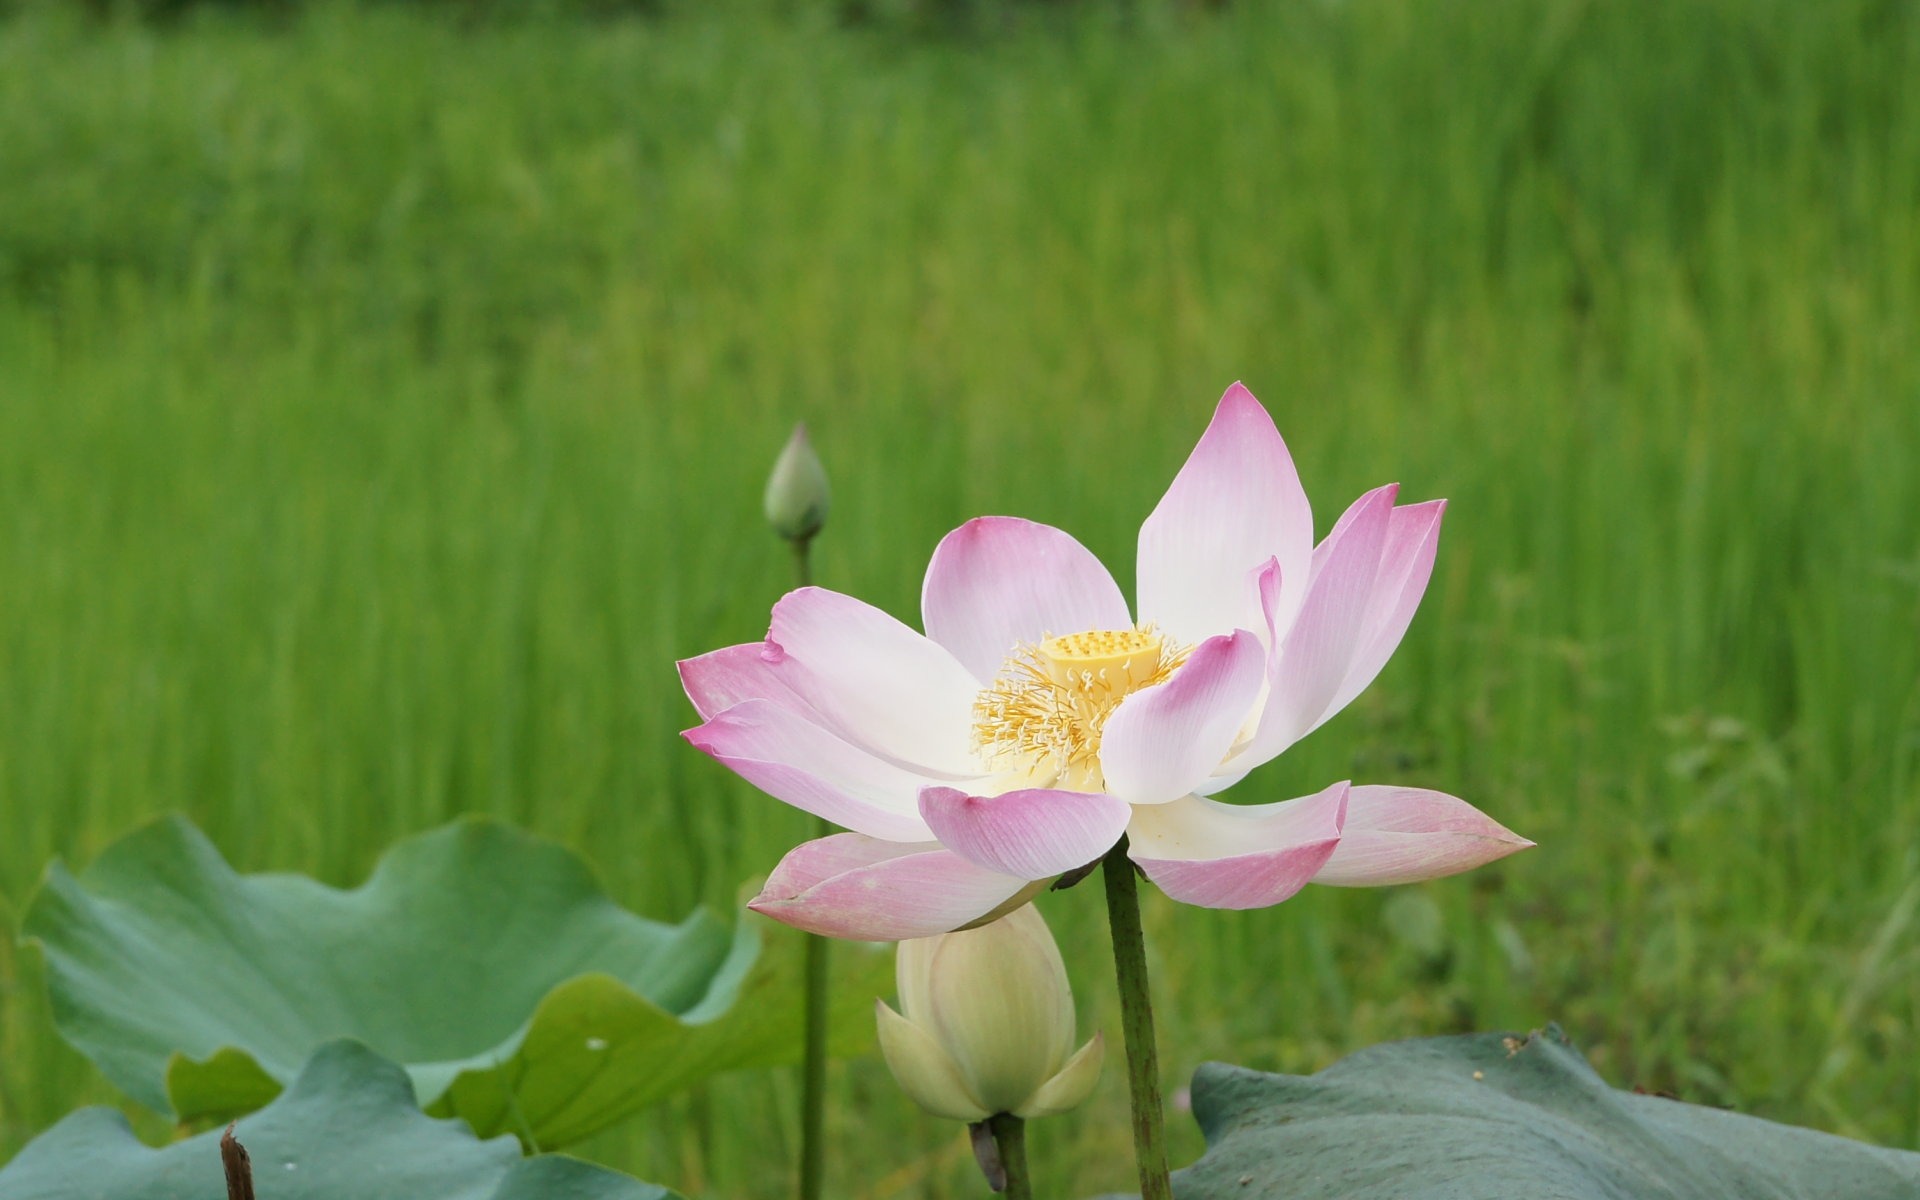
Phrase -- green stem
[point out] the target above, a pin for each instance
(1010, 1135)
(813, 1076)
(813, 1069)
(1136, 1021)
(803, 561)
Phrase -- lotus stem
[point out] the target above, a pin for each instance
(1010, 1137)
(1136, 1021)
(813, 1076)
(239, 1167)
(813, 1069)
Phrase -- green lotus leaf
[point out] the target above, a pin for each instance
(346, 1129)
(1500, 1117)
(486, 962)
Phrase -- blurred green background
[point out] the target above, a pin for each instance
(386, 392)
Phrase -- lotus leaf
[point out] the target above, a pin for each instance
(346, 1129)
(1504, 1117)
(487, 962)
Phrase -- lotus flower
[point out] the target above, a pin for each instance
(1039, 720)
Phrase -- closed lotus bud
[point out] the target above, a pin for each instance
(987, 1023)
(797, 498)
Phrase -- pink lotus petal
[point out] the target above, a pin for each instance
(1218, 855)
(792, 759)
(1317, 651)
(1164, 740)
(1036, 833)
(1405, 835)
(849, 886)
(1406, 563)
(1267, 594)
(1236, 503)
(998, 581)
(876, 681)
(718, 680)
(1265, 583)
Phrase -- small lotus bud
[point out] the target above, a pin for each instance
(987, 1023)
(797, 497)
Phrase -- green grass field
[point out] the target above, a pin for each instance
(384, 403)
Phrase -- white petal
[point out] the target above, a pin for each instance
(924, 1070)
(1072, 1085)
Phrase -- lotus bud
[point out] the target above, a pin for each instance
(986, 1025)
(797, 497)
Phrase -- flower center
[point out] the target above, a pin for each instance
(1043, 714)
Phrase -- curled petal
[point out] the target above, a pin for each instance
(1216, 855)
(865, 889)
(924, 1069)
(1247, 755)
(1069, 1086)
(876, 681)
(1164, 740)
(1036, 833)
(1236, 503)
(718, 680)
(1405, 835)
(998, 581)
(790, 758)
(1265, 582)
